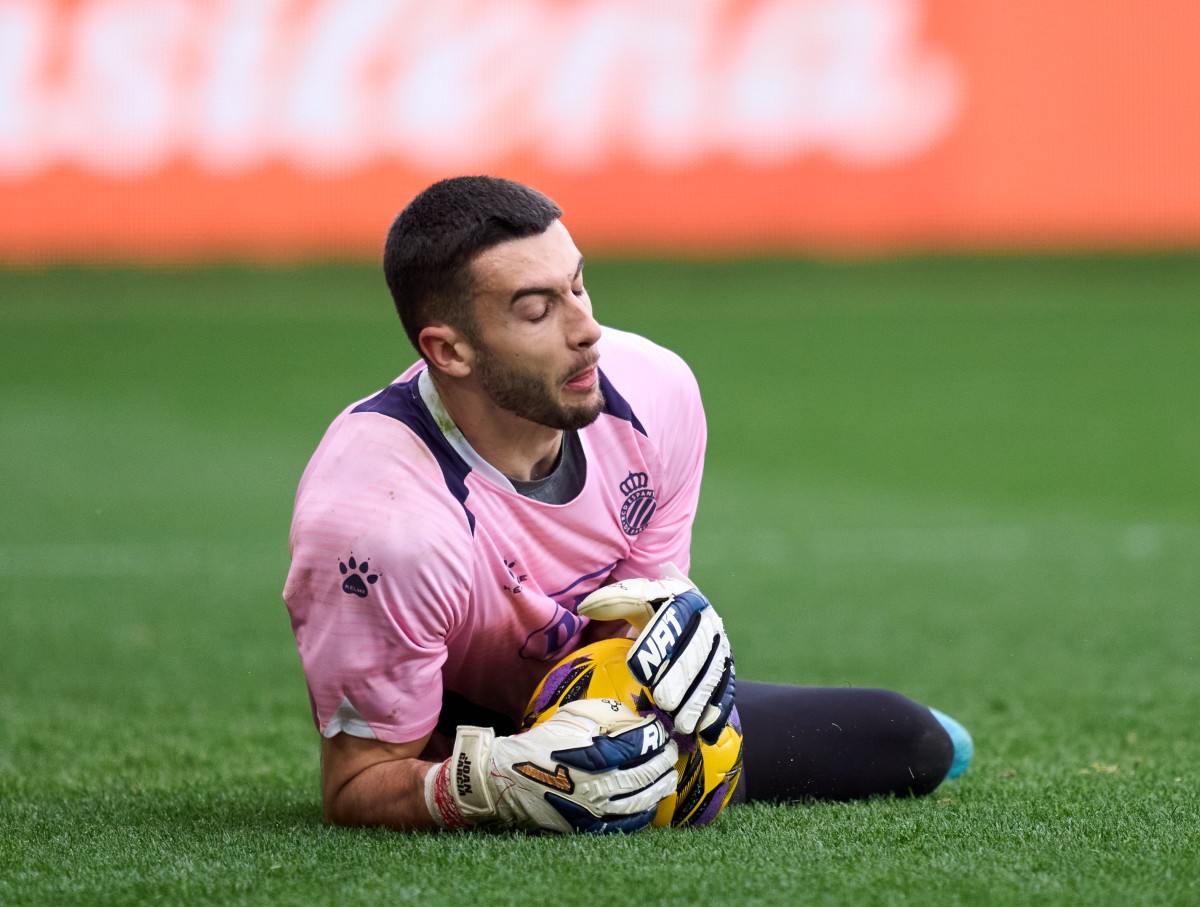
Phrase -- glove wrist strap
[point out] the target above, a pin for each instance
(457, 792)
(468, 776)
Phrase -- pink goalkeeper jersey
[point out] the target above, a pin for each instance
(423, 585)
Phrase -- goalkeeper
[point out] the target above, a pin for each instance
(459, 532)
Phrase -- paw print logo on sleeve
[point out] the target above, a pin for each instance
(358, 577)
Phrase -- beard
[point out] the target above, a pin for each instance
(531, 396)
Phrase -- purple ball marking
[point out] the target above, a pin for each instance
(551, 683)
(714, 804)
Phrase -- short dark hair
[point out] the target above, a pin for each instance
(431, 243)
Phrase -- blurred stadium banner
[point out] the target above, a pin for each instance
(177, 130)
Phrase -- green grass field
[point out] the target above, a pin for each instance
(972, 480)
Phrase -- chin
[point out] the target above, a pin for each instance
(567, 417)
(583, 414)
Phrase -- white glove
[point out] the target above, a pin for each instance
(594, 766)
(682, 654)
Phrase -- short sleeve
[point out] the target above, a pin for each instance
(375, 592)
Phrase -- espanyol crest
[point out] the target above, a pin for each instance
(639, 503)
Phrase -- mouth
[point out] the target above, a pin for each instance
(583, 380)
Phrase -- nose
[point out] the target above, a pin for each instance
(584, 329)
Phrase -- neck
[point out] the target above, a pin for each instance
(517, 448)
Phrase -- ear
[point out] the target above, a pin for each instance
(446, 349)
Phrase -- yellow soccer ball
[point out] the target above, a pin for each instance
(708, 774)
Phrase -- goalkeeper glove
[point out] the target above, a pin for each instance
(593, 766)
(681, 656)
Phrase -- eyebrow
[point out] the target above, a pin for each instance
(543, 291)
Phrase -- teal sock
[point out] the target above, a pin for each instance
(964, 747)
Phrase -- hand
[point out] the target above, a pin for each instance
(593, 766)
(681, 655)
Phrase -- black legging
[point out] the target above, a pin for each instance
(835, 743)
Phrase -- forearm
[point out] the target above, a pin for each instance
(391, 794)
(364, 782)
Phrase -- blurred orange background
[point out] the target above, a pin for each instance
(190, 131)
